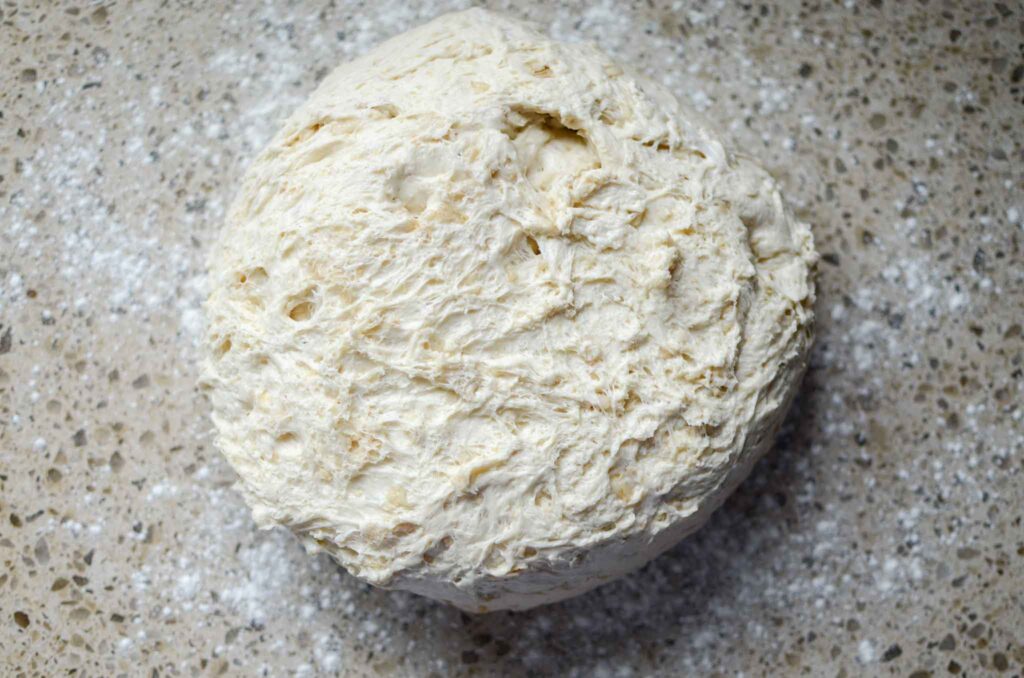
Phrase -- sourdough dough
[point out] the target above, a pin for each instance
(496, 321)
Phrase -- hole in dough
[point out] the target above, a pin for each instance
(532, 242)
(301, 307)
(222, 348)
(550, 153)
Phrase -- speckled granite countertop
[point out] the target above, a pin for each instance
(882, 537)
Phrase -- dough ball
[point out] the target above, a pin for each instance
(497, 321)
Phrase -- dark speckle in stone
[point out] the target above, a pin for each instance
(893, 652)
(21, 619)
(877, 121)
(5, 341)
(978, 262)
(470, 657)
(141, 382)
(79, 438)
(28, 75)
(806, 70)
(41, 552)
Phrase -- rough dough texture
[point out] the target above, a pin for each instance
(496, 321)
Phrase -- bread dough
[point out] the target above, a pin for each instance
(496, 321)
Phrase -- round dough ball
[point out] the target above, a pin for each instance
(496, 321)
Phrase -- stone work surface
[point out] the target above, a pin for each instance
(882, 536)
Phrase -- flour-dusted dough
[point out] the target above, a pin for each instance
(496, 321)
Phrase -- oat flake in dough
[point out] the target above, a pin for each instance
(496, 321)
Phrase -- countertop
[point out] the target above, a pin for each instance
(882, 536)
